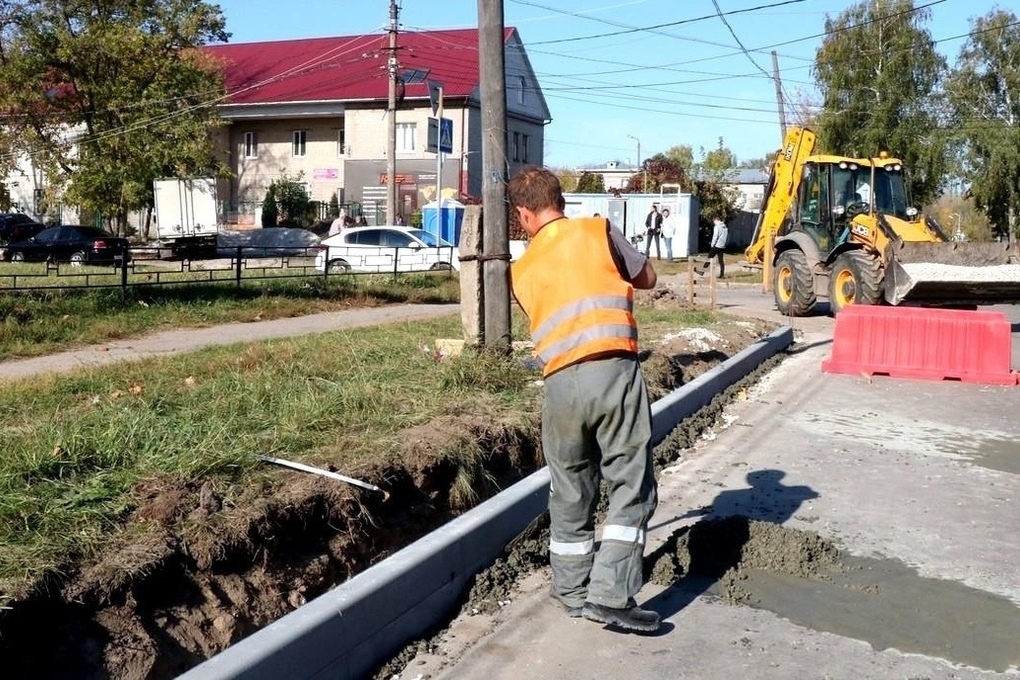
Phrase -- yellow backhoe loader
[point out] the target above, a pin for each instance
(842, 228)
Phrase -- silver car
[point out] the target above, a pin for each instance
(384, 250)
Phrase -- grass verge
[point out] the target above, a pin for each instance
(34, 323)
(81, 448)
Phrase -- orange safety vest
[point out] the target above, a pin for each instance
(571, 289)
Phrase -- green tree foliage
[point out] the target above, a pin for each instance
(568, 180)
(111, 94)
(659, 170)
(880, 78)
(334, 206)
(717, 161)
(292, 200)
(590, 183)
(682, 155)
(270, 211)
(984, 92)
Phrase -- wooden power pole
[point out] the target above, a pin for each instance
(391, 120)
(495, 235)
(779, 98)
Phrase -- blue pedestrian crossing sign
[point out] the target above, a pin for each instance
(445, 135)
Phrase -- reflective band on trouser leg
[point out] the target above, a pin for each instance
(563, 548)
(615, 532)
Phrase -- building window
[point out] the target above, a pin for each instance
(251, 145)
(515, 147)
(521, 83)
(341, 141)
(405, 137)
(524, 148)
(297, 148)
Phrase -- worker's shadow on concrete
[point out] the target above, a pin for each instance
(695, 557)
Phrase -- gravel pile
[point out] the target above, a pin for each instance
(933, 271)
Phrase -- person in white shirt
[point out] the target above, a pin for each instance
(717, 248)
(668, 230)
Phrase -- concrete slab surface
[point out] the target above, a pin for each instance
(920, 477)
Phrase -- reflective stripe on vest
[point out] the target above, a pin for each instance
(590, 334)
(578, 308)
(618, 532)
(564, 548)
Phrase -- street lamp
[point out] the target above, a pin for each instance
(644, 173)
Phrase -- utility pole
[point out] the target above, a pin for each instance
(495, 235)
(391, 121)
(779, 97)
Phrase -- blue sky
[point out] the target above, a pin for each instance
(686, 82)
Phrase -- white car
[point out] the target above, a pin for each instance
(385, 250)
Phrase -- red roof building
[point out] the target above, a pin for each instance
(317, 107)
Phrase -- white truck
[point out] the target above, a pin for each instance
(186, 216)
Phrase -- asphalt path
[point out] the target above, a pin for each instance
(919, 480)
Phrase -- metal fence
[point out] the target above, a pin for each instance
(152, 266)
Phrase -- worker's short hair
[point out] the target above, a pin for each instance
(536, 188)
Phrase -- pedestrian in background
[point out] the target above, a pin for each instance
(576, 284)
(668, 230)
(717, 247)
(653, 225)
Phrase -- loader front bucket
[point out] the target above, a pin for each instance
(951, 274)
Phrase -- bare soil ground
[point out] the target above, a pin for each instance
(192, 574)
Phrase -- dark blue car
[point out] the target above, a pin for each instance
(69, 243)
(18, 227)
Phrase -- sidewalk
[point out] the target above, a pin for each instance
(923, 496)
(166, 343)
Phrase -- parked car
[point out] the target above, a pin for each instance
(70, 243)
(386, 249)
(18, 227)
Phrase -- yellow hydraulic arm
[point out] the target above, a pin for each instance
(784, 180)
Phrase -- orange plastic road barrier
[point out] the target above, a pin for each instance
(924, 344)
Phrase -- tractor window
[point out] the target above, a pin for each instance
(890, 192)
(814, 197)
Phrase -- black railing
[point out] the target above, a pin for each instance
(151, 266)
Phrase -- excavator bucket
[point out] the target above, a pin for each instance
(952, 274)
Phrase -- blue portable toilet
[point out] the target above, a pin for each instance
(444, 222)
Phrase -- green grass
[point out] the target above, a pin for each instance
(78, 446)
(34, 323)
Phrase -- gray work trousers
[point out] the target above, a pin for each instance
(596, 420)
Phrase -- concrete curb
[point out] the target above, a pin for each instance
(351, 629)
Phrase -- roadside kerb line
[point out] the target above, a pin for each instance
(350, 630)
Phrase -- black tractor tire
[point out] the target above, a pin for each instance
(793, 284)
(854, 279)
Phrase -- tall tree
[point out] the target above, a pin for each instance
(682, 155)
(879, 76)
(655, 172)
(984, 91)
(112, 93)
(718, 160)
(591, 183)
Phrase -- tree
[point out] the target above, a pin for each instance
(659, 170)
(984, 92)
(111, 93)
(334, 205)
(880, 79)
(270, 211)
(682, 155)
(291, 199)
(568, 180)
(591, 183)
(718, 160)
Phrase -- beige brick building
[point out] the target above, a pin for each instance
(318, 107)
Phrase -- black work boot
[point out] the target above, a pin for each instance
(627, 618)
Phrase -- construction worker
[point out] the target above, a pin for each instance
(576, 283)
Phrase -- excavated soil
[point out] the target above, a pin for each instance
(198, 567)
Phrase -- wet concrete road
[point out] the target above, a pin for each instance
(917, 481)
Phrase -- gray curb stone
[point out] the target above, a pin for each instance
(350, 630)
